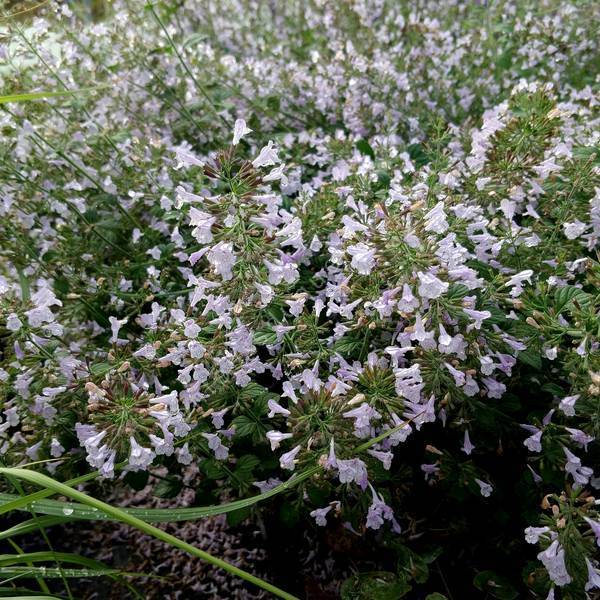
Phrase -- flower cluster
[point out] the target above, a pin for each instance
(314, 240)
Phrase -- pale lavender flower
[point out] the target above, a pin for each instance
(352, 470)
(239, 131)
(580, 474)
(288, 460)
(276, 409)
(363, 258)
(533, 534)
(595, 526)
(276, 437)
(220, 451)
(320, 515)
(139, 457)
(267, 156)
(485, 488)
(567, 405)
(553, 559)
(593, 581)
(467, 446)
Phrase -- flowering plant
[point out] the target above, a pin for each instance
(349, 249)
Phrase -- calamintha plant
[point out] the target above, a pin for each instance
(343, 255)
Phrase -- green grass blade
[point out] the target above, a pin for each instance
(55, 573)
(42, 95)
(74, 510)
(27, 596)
(7, 560)
(19, 502)
(31, 525)
(120, 515)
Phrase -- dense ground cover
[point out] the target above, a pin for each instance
(330, 267)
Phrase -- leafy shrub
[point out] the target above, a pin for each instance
(351, 246)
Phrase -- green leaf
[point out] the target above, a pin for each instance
(245, 426)
(412, 566)
(100, 369)
(253, 390)
(237, 516)
(137, 480)
(531, 357)
(289, 514)
(264, 336)
(212, 468)
(418, 155)
(568, 297)
(168, 488)
(379, 585)
(29, 597)
(244, 467)
(552, 388)
(436, 596)
(365, 148)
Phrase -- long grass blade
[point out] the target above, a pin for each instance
(32, 525)
(7, 560)
(73, 510)
(42, 95)
(119, 515)
(55, 573)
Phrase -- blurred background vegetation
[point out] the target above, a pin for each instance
(24, 9)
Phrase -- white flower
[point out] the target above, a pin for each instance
(467, 446)
(267, 156)
(320, 515)
(574, 230)
(56, 448)
(567, 405)
(534, 442)
(517, 281)
(363, 258)
(287, 460)
(201, 222)
(139, 457)
(115, 326)
(239, 131)
(276, 409)
(435, 219)
(385, 457)
(266, 293)
(183, 455)
(296, 306)
(533, 534)
(430, 286)
(222, 258)
(214, 443)
(478, 316)
(185, 158)
(580, 474)
(276, 174)
(280, 271)
(485, 488)
(276, 437)
(593, 581)
(13, 323)
(554, 561)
